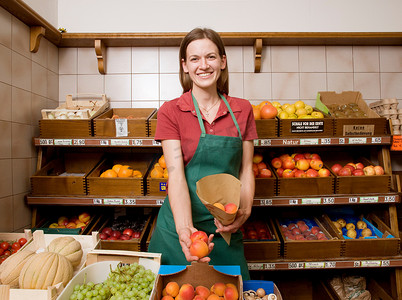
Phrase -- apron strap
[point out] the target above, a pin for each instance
(197, 109)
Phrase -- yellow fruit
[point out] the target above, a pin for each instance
(157, 172)
(162, 162)
(291, 109)
(305, 117)
(116, 168)
(299, 104)
(285, 105)
(283, 115)
(69, 247)
(309, 109)
(301, 111)
(125, 171)
(109, 173)
(276, 104)
(137, 174)
(317, 114)
(292, 116)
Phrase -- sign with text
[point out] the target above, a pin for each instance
(307, 126)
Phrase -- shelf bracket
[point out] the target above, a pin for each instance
(36, 33)
(100, 50)
(257, 55)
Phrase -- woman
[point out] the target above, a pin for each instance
(203, 132)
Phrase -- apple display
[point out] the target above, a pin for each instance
(315, 156)
(359, 165)
(351, 233)
(366, 232)
(379, 170)
(287, 173)
(257, 158)
(265, 173)
(358, 172)
(342, 222)
(276, 162)
(361, 224)
(350, 167)
(324, 172)
(300, 173)
(345, 172)
(261, 165)
(316, 164)
(280, 172)
(351, 164)
(335, 168)
(350, 226)
(298, 156)
(311, 173)
(302, 164)
(288, 163)
(369, 171)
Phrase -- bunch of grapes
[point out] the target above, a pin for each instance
(126, 282)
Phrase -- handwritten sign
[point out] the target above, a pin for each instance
(396, 143)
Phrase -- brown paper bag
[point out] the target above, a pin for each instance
(221, 188)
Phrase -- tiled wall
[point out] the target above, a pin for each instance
(28, 83)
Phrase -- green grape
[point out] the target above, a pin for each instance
(80, 296)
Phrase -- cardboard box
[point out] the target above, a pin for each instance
(196, 274)
(133, 122)
(373, 125)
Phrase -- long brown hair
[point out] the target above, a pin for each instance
(198, 34)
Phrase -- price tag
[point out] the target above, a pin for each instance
(156, 143)
(329, 200)
(111, 201)
(129, 201)
(396, 143)
(104, 142)
(314, 265)
(311, 200)
(330, 264)
(353, 200)
(270, 266)
(356, 264)
(357, 140)
(159, 202)
(293, 201)
(326, 141)
(97, 201)
(256, 142)
(265, 202)
(295, 265)
(376, 140)
(63, 142)
(368, 199)
(385, 263)
(45, 142)
(309, 142)
(265, 142)
(389, 199)
(255, 266)
(341, 141)
(79, 142)
(120, 142)
(137, 142)
(121, 127)
(370, 263)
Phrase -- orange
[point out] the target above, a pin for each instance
(109, 173)
(257, 113)
(268, 112)
(116, 168)
(162, 162)
(157, 172)
(137, 174)
(263, 103)
(125, 171)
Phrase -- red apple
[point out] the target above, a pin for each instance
(335, 168)
(261, 165)
(252, 234)
(107, 230)
(265, 173)
(302, 164)
(291, 226)
(303, 227)
(360, 166)
(128, 231)
(284, 156)
(136, 234)
(315, 229)
(287, 173)
(103, 236)
(350, 167)
(71, 225)
(316, 164)
(125, 237)
(369, 171)
(300, 222)
(300, 173)
(112, 238)
(324, 172)
(299, 237)
(315, 156)
(199, 235)
(351, 164)
(298, 156)
(345, 172)
(276, 163)
(379, 170)
(307, 155)
(116, 234)
(280, 172)
(358, 172)
(296, 231)
(312, 173)
(257, 158)
(255, 170)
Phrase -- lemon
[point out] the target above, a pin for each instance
(283, 115)
(291, 109)
(292, 116)
(299, 104)
(317, 114)
(285, 105)
(301, 111)
(276, 104)
(308, 108)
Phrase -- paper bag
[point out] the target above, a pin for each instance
(221, 188)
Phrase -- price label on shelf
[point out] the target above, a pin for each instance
(295, 265)
(293, 201)
(326, 141)
(156, 143)
(255, 266)
(314, 265)
(341, 141)
(385, 263)
(368, 199)
(269, 266)
(328, 200)
(97, 201)
(79, 142)
(265, 202)
(309, 142)
(357, 140)
(45, 142)
(330, 264)
(104, 142)
(311, 200)
(265, 142)
(130, 201)
(389, 199)
(137, 142)
(353, 200)
(376, 140)
(120, 142)
(111, 201)
(159, 202)
(370, 263)
(63, 142)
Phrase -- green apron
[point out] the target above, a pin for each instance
(214, 155)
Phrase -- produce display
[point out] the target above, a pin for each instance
(124, 228)
(297, 110)
(129, 117)
(11, 268)
(256, 230)
(302, 230)
(353, 229)
(62, 114)
(264, 110)
(357, 169)
(186, 291)
(119, 170)
(260, 168)
(259, 294)
(128, 281)
(160, 170)
(299, 165)
(8, 248)
(80, 221)
(68, 247)
(349, 110)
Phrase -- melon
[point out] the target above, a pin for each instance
(12, 266)
(69, 247)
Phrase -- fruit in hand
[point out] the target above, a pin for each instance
(199, 248)
(231, 208)
(199, 235)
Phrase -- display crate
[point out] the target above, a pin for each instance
(119, 186)
(383, 243)
(156, 186)
(373, 125)
(267, 128)
(269, 287)
(151, 231)
(262, 250)
(305, 128)
(65, 175)
(311, 249)
(197, 274)
(153, 119)
(134, 122)
(266, 187)
(135, 244)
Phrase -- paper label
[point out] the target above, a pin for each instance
(306, 126)
(358, 130)
(123, 142)
(121, 127)
(311, 200)
(63, 142)
(396, 143)
(309, 141)
(368, 199)
(113, 201)
(162, 186)
(315, 265)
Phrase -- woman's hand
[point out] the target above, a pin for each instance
(185, 242)
(241, 218)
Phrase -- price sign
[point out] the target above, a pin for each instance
(330, 264)
(325, 141)
(137, 142)
(129, 201)
(45, 142)
(314, 265)
(309, 142)
(385, 263)
(353, 200)
(329, 200)
(396, 143)
(265, 202)
(295, 265)
(270, 266)
(63, 142)
(311, 201)
(370, 263)
(265, 142)
(79, 142)
(120, 142)
(111, 201)
(368, 199)
(389, 199)
(376, 140)
(357, 140)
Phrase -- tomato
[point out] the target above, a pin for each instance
(1, 251)
(268, 112)
(3, 258)
(22, 241)
(7, 253)
(16, 246)
(4, 245)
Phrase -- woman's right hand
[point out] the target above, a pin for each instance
(185, 242)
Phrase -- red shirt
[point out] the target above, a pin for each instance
(177, 120)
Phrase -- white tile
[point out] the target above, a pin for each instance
(21, 106)
(145, 60)
(169, 60)
(145, 87)
(118, 60)
(120, 104)
(20, 35)
(366, 59)
(285, 86)
(257, 86)
(339, 82)
(391, 86)
(87, 61)
(368, 84)
(5, 64)
(52, 85)
(40, 57)
(118, 87)
(67, 86)
(249, 59)
(145, 104)
(38, 103)
(234, 56)
(170, 87)
(391, 59)
(21, 71)
(285, 58)
(312, 59)
(68, 61)
(311, 83)
(236, 85)
(5, 96)
(39, 80)
(53, 58)
(5, 28)
(339, 59)
(90, 84)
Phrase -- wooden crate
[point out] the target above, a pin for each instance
(151, 231)
(266, 187)
(305, 128)
(373, 125)
(262, 250)
(152, 124)
(127, 186)
(312, 249)
(267, 128)
(137, 124)
(156, 186)
(65, 176)
(65, 128)
(386, 243)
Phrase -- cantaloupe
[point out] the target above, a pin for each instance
(69, 247)
(12, 266)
